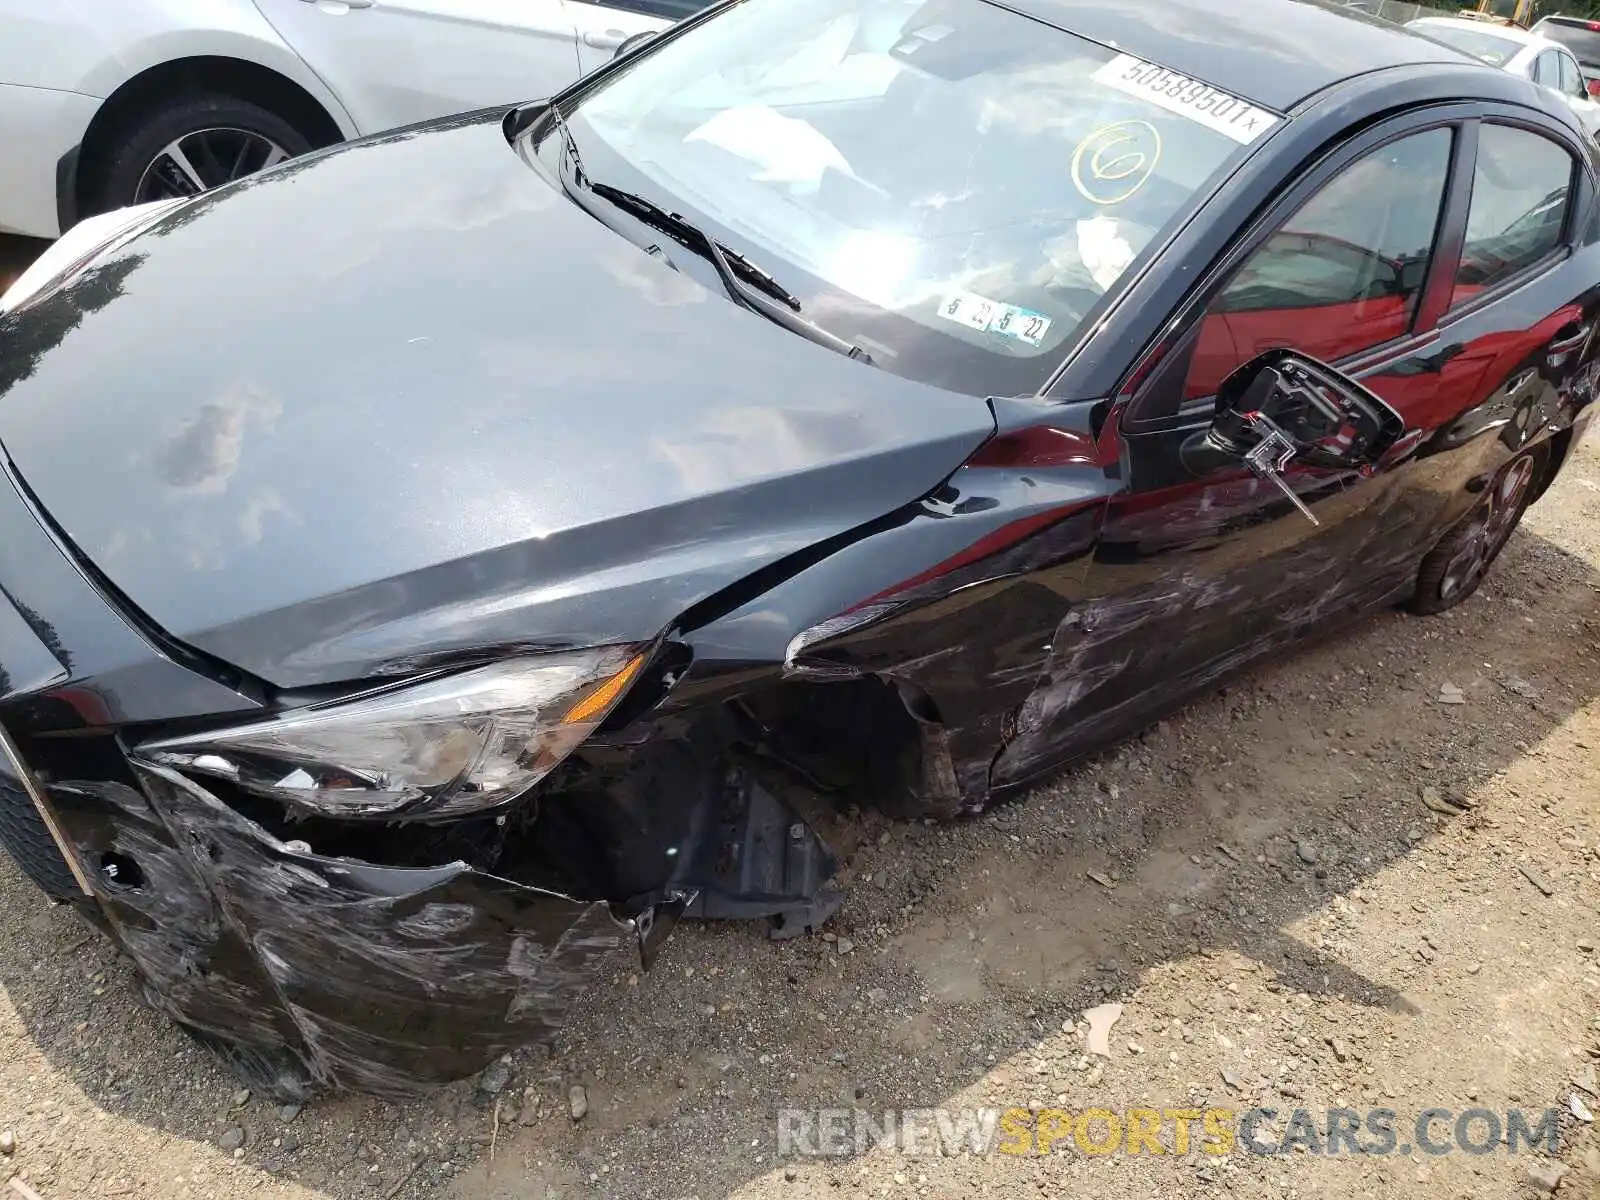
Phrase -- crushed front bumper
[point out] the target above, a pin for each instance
(307, 970)
(314, 970)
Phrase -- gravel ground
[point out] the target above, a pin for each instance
(1263, 883)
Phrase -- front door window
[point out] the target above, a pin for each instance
(1342, 275)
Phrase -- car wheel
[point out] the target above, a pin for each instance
(1458, 564)
(23, 831)
(192, 145)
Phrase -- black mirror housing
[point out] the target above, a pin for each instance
(1331, 420)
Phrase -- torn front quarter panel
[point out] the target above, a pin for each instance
(335, 972)
(992, 560)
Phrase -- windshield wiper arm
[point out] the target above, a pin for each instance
(656, 217)
(737, 273)
(728, 264)
(569, 147)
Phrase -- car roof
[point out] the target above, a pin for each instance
(1274, 53)
(1510, 33)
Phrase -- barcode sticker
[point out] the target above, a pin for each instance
(1199, 102)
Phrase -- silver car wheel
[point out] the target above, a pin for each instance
(204, 159)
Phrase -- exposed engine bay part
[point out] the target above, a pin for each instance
(756, 858)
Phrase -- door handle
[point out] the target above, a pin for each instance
(608, 39)
(1571, 341)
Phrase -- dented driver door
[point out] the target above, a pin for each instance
(1191, 578)
(1203, 566)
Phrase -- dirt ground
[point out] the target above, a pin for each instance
(1288, 923)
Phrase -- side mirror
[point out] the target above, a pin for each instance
(630, 44)
(1284, 407)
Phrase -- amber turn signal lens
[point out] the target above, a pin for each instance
(595, 704)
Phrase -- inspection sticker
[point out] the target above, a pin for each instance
(1199, 102)
(991, 316)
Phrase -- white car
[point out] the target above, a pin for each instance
(1529, 55)
(108, 103)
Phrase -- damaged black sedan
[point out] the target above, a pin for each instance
(435, 566)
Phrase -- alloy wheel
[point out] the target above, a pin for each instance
(204, 159)
(1492, 523)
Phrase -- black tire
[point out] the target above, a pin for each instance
(136, 143)
(1456, 567)
(23, 831)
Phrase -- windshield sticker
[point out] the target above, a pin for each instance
(991, 316)
(1199, 102)
(1115, 161)
(1021, 323)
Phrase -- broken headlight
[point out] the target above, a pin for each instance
(450, 745)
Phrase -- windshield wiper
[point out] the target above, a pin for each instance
(687, 235)
(738, 275)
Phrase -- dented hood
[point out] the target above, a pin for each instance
(403, 399)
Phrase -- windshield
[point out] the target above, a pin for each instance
(1582, 40)
(1487, 47)
(949, 185)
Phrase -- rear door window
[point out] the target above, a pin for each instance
(1521, 189)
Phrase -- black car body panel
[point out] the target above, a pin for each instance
(109, 669)
(469, 422)
(378, 978)
(592, 467)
